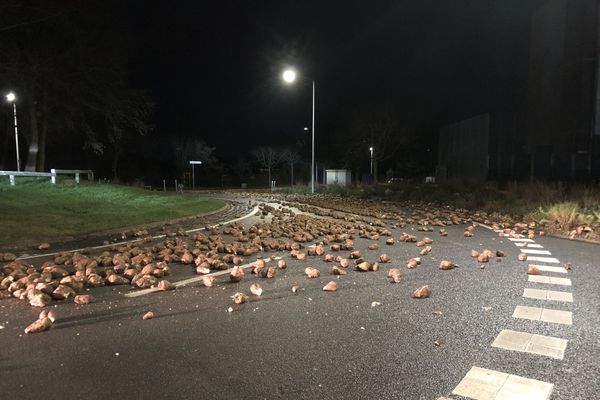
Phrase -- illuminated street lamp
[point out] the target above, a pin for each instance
(289, 76)
(371, 150)
(12, 99)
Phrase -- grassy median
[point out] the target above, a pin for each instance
(39, 211)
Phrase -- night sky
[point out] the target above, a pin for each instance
(214, 68)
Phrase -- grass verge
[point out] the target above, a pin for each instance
(38, 211)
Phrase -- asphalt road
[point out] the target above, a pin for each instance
(368, 340)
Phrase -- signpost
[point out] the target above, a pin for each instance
(193, 176)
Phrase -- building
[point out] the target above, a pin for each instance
(556, 132)
(562, 105)
(341, 177)
(486, 146)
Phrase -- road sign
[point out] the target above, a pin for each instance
(193, 175)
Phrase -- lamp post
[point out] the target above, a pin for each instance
(371, 150)
(289, 76)
(12, 99)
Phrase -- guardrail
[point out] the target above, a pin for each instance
(76, 172)
(52, 174)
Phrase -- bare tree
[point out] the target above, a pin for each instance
(292, 157)
(268, 158)
(380, 130)
(66, 91)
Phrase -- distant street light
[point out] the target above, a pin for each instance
(289, 76)
(12, 99)
(371, 150)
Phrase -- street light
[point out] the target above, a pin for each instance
(371, 150)
(289, 76)
(12, 99)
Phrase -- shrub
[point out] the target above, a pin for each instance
(565, 215)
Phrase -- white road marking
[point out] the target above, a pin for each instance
(520, 240)
(548, 268)
(540, 294)
(487, 384)
(550, 280)
(543, 259)
(251, 213)
(531, 343)
(529, 245)
(544, 315)
(194, 279)
(535, 251)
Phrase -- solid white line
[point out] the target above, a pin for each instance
(544, 259)
(194, 279)
(533, 251)
(254, 211)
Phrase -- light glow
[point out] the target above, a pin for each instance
(11, 97)
(289, 76)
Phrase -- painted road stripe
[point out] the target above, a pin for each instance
(540, 294)
(487, 384)
(251, 213)
(531, 343)
(534, 251)
(548, 268)
(193, 280)
(544, 315)
(543, 259)
(550, 280)
(529, 245)
(520, 240)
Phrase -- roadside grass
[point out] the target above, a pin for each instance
(567, 215)
(34, 211)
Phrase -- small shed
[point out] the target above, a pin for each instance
(341, 177)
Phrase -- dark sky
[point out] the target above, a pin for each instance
(214, 67)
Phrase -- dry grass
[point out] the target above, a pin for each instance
(565, 215)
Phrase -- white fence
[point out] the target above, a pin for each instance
(52, 174)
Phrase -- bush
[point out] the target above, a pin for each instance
(565, 215)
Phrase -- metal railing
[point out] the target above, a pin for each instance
(52, 174)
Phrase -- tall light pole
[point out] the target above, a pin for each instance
(371, 150)
(12, 99)
(289, 76)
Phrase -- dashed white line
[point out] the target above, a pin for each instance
(531, 343)
(544, 315)
(529, 245)
(487, 384)
(548, 268)
(520, 240)
(540, 294)
(535, 251)
(543, 259)
(550, 280)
